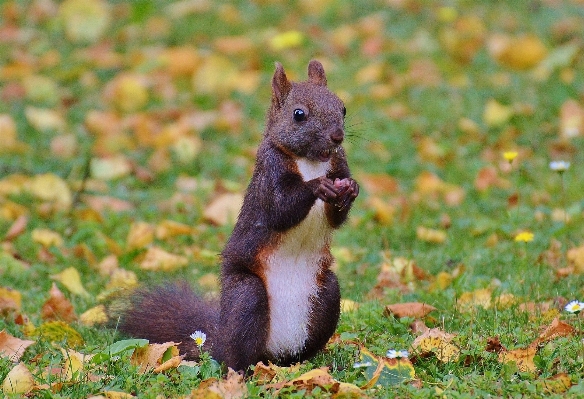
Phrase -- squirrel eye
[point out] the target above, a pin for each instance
(344, 111)
(299, 115)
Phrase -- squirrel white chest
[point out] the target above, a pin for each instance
(291, 273)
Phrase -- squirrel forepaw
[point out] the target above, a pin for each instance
(348, 190)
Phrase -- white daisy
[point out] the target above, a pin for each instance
(574, 307)
(393, 354)
(559, 166)
(199, 337)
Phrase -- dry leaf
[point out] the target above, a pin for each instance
(71, 279)
(57, 307)
(409, 309)
(160, 260)
(559, 383)
(11, 347)
(110, 168)
(437, 342)
(571, 119)
(122, 278)
(433, 236)
(231, 387)
(47, 238)
(141, 235)
(576, 259)
(555, 330)
(18, 381)
(150, 357)
(520, 53)
(496, 114)
(85, 20)
(93, 316)
(74, 362)
(378, 184)
(223, 209)
(169, 228)
(17, 228)
(523, 358)
(51, 188)
(348, 305)
(10, 300)
(468, 301)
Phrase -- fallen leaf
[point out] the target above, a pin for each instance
(71, 279)
(141, 235)
(110, 168)
(348, 305)
(555, 330)
(169, 228)
(50, 187)
(559, 383)
(575, 258)
(571, 119)
(523, 358)
(223, 209)
(433, 236)
(383, 371)
(158, 259)
(74, 363)
(496, 114)
(519, 53)
(122, 278)
(11, 347)
(94, 316)
(409, 309)
(468, 301)
(19, 380)
(47, 238)
(437, 342)
(10, 300)
(85, 21)
(17, 228)
(231, 387)
(57, 307)
(154, 355)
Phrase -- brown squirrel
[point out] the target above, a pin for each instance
(280, 301)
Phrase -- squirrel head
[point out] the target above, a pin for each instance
(305, 119)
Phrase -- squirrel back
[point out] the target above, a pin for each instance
(279, 299)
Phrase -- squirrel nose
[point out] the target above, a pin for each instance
(337, 136)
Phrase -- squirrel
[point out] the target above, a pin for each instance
(280, 300)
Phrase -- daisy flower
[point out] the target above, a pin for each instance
(199, 337)
(559, 166)
(574, 307)
(393, 354)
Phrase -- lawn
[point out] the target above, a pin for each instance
(128, 133)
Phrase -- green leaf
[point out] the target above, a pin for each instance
(118, 348)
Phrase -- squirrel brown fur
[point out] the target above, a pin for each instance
(280, 301)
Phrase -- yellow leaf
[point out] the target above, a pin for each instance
(85, 20)
(384, 211)
(117, 395)
(18, 381)
(50, 187)
(523, 358)
(11, 347)
(10, 299)
(44, 119)
(496, 114)
(93, 316)
(47, 238)
(150, 357)
(520, 53)
(71, 279)
(141, 234)
(287, 40)
(122, 278)
(558, 383)
(127, 92)
(431, 235)
(576, 259)
(8, 135)
(74, 362)
(160, 260)
(209, 282)
(437, 342)
(469, 300)
(169, 228)
(348, 306)
(223, 209)
(216, 75)
(110, 168)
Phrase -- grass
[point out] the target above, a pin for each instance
(378, 142)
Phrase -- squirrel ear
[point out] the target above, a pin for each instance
(316, 73)
(280, 85)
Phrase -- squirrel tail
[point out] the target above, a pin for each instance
(172, 313)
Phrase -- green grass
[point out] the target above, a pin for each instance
(407, 35)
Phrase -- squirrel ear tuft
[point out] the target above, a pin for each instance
(316, 73)
(280, 86)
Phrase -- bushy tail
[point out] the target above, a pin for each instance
(171, 313)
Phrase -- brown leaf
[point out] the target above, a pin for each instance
(494, 345)
(223, 209)
(418, 327)
(523, 358)
(57, 307)
(378, 184)
(409, 309)
(571, 119)
(17, 228)
(150, 357)
(555, 330)
(11, 347)
(10, 300)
